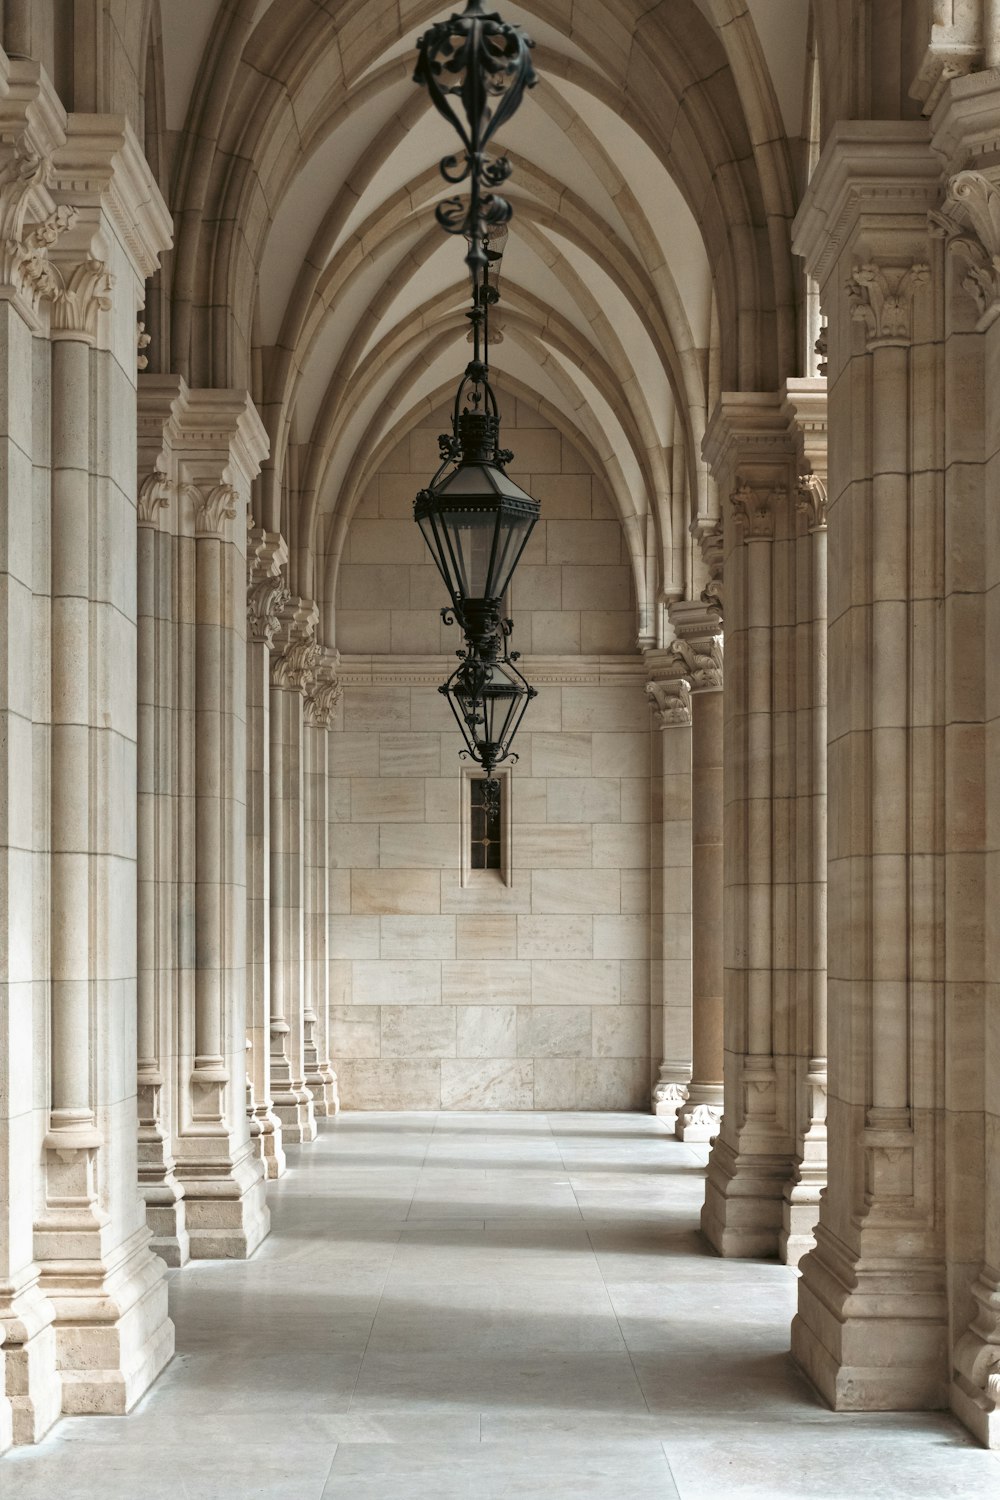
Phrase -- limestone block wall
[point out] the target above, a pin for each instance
(521, 989)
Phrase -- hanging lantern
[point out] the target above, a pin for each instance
(488, 699)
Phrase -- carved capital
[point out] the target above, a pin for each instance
(326, 691)
(154, 494)
(882, 299)
(142, 343)
(811, 501)
(753, 511)
(671, 700)
(296, 652)
(267, 592)
(81, 290)
(702, 662)
(822, 350)
(214, 505)
(24, 260)
(969, 222)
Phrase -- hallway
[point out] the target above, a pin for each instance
(457, 1306)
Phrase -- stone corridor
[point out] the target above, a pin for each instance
(456, 1306)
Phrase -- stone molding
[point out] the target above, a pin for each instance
(698, 648)
(873, 175)
(748, 436)
(101, 167)
(295, 650)
(547, 671)
(753, 510)
(267, 591)
(882, 298)
(326, 691)
(214, 505)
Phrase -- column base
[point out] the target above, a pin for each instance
(668, 1100)
(867, 1339)
(112, 1332)
(31, 1380)
(266, 1135)
(298, 1118)
(975, 1376)
(166, 1215)
(323, 1087)
(227, 1212)
(701, 1117)
(6, 1416)
(741, 1216)
(799, 1217)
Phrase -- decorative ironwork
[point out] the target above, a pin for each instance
(488, 696)
(483, 63)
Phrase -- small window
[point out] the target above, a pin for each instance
(486, 824)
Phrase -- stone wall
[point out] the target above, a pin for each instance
(523, 989)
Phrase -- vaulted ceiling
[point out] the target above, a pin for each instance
(657, 167)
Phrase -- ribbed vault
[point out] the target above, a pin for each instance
(653, 189)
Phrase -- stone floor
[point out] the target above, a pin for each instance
(469, 1307)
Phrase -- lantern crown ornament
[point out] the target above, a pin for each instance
(483, 64)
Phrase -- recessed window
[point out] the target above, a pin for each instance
(486, 824)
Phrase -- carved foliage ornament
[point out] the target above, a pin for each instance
(265, 600)
(24, 262)
(295, 665)
(973, 203)
(811, 501)
(213, 507)
(882, 299)
(703, 667)
(671, 700)
(753, 510)
(321, 705)
(154, 493)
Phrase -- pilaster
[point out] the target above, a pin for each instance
(295, 654)
(91, 1240)
(218, 443)
(670, 882)
(871, 1330)
(752, 459)
(267, 593)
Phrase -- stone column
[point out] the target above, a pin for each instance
(805, 409)
(267, 554)
(670, 884)
(320, 711)
(91, 1239)
(30, 1387)
(698, 624)
(753, 461)
(158, 801)
(872, 1326)
(293, 664)
(218, 445)
(966, 127)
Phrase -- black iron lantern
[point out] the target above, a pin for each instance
(475, 519)
(488, 699)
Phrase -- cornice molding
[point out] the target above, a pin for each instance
(542, 671)
(877, 175)
(102, 168)
(748, 427)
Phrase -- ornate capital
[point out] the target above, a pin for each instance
(811, 501)
(753, 511)
(24, 260)
(969, 222)
(702, 662)
(81, 290)
(267, 592)
(821, 348)
(296, 652)
(142, 343)
(154, 494)
(326, 691)
(882, 299)
(671, 700)
(214, 505)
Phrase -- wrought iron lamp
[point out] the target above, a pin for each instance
(475, 519)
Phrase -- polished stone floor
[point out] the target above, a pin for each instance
(470, 1307)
